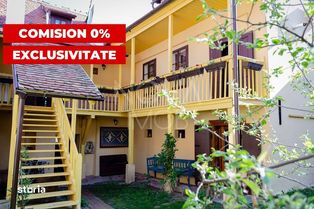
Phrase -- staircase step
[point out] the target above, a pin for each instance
(51, 184)
(43, 158)
(38, 109)
(40, 125)
(40, 144)
(52, 205)
(44, 166)
(32, 176)
(44, 150)
(40, 131)
(41, 137)
(50, 194)
(40, 120)
(39, 115)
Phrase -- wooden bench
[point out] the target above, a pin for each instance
(182, 167)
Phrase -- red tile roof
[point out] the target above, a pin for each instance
(35, 12)
(3, 11)
(56, 81)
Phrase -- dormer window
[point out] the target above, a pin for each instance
(56, 19)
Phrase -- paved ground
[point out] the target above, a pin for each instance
(90, 180)
(94, 202)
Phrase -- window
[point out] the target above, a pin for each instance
(149, 69)
(215, 53)
(149, 133)
(180, 58)
(242, 49)
(54, 19)
(95, 71)
(181, 134)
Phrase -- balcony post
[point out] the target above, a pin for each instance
(170, 118)
(15, 109)
(120, 96)
(170, 41)
(91, 72)
(17, 151)
(132, 61)
(120, 76)
(73, 117)
(130, 167)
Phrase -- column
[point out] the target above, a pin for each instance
(91, 72)
(12, 144)
(120, 76)
(170, 41)
(170, 117)
(132, 81)
(73, 117)
(130, 167)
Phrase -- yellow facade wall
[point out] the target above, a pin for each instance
(147, 147)
(91, 161)
(198, 52)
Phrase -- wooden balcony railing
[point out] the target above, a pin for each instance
(112, 103)
(201, 83)
(6, 91)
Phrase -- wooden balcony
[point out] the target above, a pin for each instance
(209, 83)
(206, 84)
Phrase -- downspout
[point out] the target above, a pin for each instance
(235, 71)
(48, 16)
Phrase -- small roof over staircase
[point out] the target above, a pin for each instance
(63, 80)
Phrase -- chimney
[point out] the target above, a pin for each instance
(156, 2)
(15, 12)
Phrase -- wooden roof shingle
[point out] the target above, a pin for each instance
(67, 81)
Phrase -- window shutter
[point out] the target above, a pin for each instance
(215, 53)
(243, 50)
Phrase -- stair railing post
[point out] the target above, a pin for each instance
(15, 110)
(16, 167)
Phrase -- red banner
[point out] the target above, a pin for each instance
(64, 55)
(59, 33)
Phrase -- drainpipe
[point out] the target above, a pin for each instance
(235, 69)
(17, 153)
(48, 16)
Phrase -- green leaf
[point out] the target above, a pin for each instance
(309, 145)
(275, 41)
(263, 122)
(252, 185)
(305, 64)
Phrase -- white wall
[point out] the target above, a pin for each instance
(291, 129)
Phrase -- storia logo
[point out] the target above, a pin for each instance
(31, 190)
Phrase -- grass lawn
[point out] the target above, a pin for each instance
(141, 196)
(136, 196)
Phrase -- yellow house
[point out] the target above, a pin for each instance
(118, 134)
(161, 55)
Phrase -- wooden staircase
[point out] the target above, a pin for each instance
(49, 158)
